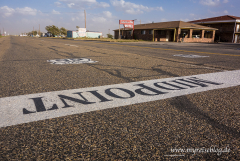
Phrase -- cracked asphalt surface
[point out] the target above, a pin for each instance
(145, 131)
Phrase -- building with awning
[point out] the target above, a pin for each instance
(175, 31)
(228, 27)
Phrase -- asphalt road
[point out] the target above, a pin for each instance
(141, 131)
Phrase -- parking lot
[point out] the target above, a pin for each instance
(92, 100)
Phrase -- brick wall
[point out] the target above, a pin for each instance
(126, 34)
(116, 34)
(224, 32)
(146, 36)
(206, 40)
(161, 35)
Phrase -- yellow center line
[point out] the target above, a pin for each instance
(171, 49)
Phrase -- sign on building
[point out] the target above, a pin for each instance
(127, 23)
(82, 32)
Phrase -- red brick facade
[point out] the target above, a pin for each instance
(225, 31)
(177, 31)
(228, 27)
(168, 35)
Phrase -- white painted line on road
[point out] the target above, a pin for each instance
(71, 61)
(40, 106)
(71, 45)
(190, 56)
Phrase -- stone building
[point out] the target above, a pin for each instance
(175, 31)
(228, 27)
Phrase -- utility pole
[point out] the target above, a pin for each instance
(140, 21)
(85, 19)
(119, 31)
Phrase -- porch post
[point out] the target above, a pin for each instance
(153, 34)
(190, 33)
(213, 35)
(178, 34)
(202, 34)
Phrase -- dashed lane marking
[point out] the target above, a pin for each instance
(41, 106)
(71, 61)
(71, 45)
(190, 56)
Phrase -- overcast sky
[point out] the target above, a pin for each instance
(18, 16)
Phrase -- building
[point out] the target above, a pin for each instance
(228, 27)
(72, 34)
(83, 33)
(93, 34)
(175, 31)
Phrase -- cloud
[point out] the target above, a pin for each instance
(225, 1)
(26, 11)
(55, 12)
(82, 3)
(218, 12)
(210, 2)
(132, 8)
(70, 5)
(6, 11)
(103, 5)
(58, 4)
(159, 8)
(107, 14)
(99, 19)
(184, 19)
(163, 20)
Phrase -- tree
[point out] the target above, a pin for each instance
(77, 27)
(53, 29)
(63, 31)
(109, 36)
(35, 33)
